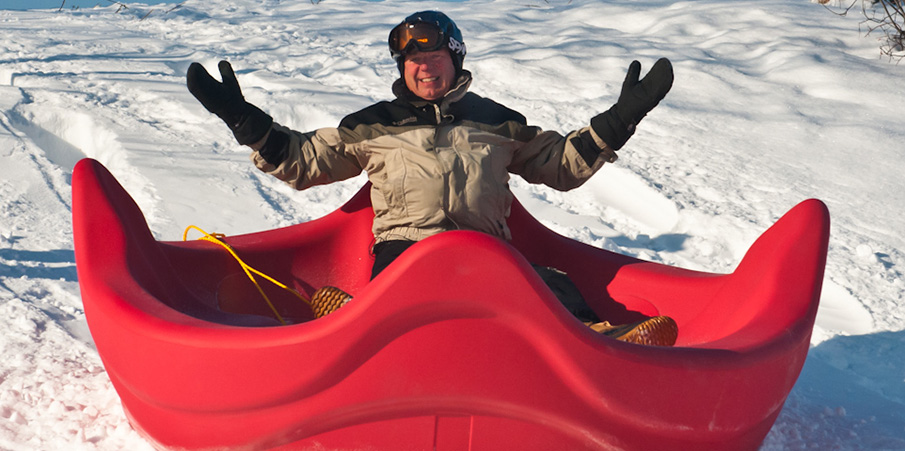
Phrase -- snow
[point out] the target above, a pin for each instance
(775, 101)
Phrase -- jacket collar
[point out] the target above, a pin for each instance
(459, 89)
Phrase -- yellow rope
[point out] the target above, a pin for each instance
(216, 238)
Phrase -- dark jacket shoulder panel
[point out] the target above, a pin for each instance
(380, 119)
(487, 115)
(400, 115)
(474, 108)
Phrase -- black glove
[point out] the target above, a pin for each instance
(616, 125)
(248, 123)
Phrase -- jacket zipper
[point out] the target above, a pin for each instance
(447, 171)
(437, 114)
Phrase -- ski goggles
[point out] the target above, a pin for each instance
(425, 37)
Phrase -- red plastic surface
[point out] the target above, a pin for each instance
(456, 346)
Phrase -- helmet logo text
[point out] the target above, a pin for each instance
(456, 46)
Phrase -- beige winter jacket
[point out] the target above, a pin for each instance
(434, 167)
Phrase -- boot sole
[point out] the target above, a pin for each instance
(328, 299)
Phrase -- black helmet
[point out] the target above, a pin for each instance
(427, 31)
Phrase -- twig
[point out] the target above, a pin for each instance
(891, 21)
(844, 11)
(178, 5)
(121, 5)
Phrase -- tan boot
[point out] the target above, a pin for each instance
(656, 331)
(327, 299)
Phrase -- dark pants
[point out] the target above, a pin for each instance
(559, 283)
(387, 251)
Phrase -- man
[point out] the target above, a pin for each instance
(438, 156)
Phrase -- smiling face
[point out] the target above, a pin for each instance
(429, 75)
